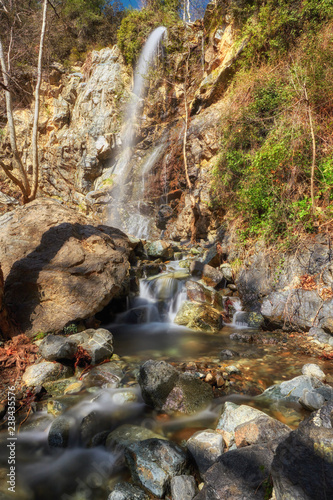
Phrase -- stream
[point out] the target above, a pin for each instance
(85, 469)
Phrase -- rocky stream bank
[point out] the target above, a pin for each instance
(158, 369)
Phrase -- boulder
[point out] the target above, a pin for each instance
(164, 388)
(125, 436)
(105, 375)
(312, 370)
(302, 468)
(319, 334)
(127, 491)
(60, 431)
(291, 390)
(197, 292)
(199, 316)
(45, 371)
(311, 400)
(205, 447)
(327, 325)
(159, 249)
(231, 417)
(154, 462)
(241, 474)
(208, 274)
(262, 429)
(56, 347)
(97, 343)
(183, 488)
(58, 267)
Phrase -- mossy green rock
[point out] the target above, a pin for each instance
(199, 316)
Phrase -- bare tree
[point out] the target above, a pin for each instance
(29, 190)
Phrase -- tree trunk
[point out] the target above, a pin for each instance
(35, 162)
(313, 165)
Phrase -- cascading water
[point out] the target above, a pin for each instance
(128, 210)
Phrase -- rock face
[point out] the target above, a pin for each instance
(303, 464)
(58, 268)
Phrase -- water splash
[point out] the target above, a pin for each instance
(128, 211)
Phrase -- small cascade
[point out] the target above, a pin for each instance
(128, 211)
(238, 319)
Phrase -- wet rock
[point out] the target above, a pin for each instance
(208, 274)
(205, 447)
(166, 389)
(105, 375)
(230, 370)
(228, 354)
(74, 388)
(56, 406)
(242, 337)
(312, 370)
(183, 488)
(262, 429)
(159, 249)
(232, 416)
(199, 316)
(59, 387)
(154, 462)
(292, 389)
(45, 371)
(57, 266)
(238, 475)
(163, 216)
(97, 343)
(157, 379)
(303, 464)
(60, 431)
(56, 347)
(311, 400)
(212, 257)
(189, 395)
(126, 435)
(197, 292)
(127, 491)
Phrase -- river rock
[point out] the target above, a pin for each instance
(198, 316)
(159, 249)
(60, 431)
(312, 370)
(197, 292)
(45, 371)
(228, 354)
(189, 395)
(164, 388)
(97, 343)
(126, 435)
(291, 390)
(56, 347)
(57, 266)
(327, 325)
(208, 274)
(154, 462)
(311, 400)
(106, 375)
(127, 491)
(240, 474)
(232, 416)
(302, 468)
(262, 429)
(205, 447)
(319, 334)
(183, 488)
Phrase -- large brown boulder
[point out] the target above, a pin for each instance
(57, 266)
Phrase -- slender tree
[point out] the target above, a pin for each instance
(28, 190)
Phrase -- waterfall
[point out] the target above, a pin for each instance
(127, 211)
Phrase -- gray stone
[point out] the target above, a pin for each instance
(312, 370)
(60, 431)
(233, 415)
(303, 465)
(126, 435)
(205, 447)
(159, 249)
(189, 395)
(56, 347)
(292, 389)
(154, 462)
(127, 491)
(231, 369)
(240, 474)
(208, 274)
(183, 488)
(262, 429)
(227, 271)
(45, 371)
(157, 379)
(319, 334)
(311, 400)
(105, 375)
(228, 354)
(327, 325)
(98, 343)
